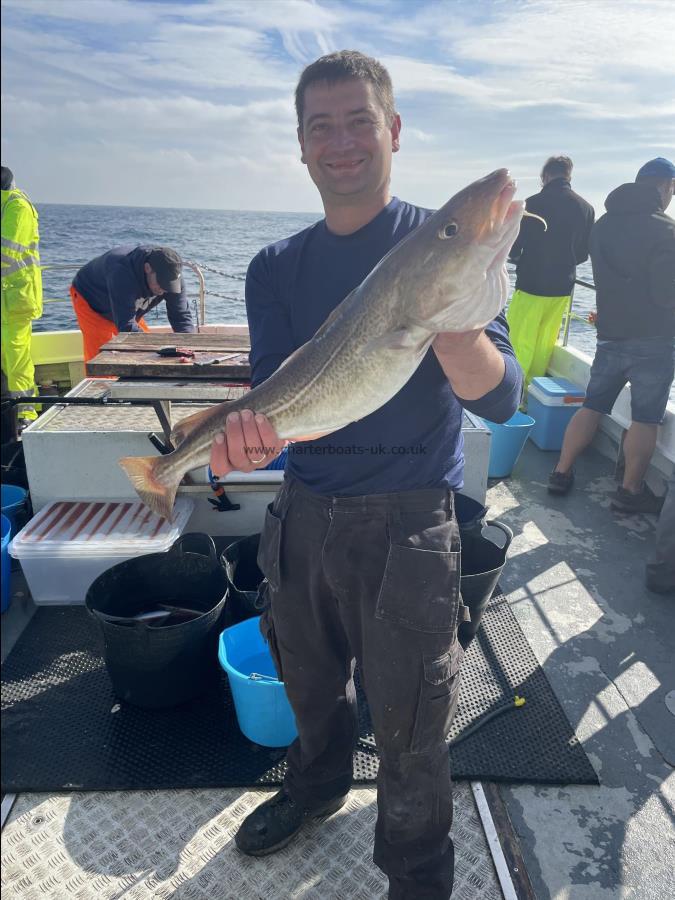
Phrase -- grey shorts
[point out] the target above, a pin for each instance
(647, 363)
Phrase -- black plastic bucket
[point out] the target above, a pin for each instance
(13, 464)
(155, 666)
(239, 560)
(482, 562)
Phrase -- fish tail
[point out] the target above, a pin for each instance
(155, 493)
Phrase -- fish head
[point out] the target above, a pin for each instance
(456, 276)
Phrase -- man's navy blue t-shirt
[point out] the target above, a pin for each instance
(412, 442)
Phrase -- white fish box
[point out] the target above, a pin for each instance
(74, 451)
(69, 543)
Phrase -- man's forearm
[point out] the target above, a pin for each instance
(472, 364)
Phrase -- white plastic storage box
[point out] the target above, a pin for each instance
(69, 543)
(552, 402)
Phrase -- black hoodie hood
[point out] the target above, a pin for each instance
(634, 198)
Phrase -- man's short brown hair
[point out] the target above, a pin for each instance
(557, 167)
(342, 66)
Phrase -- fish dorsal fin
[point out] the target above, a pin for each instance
(290, 357)
(186, 426)
(328, 321)
(396, 339)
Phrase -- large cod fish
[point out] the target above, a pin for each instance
(447, 275)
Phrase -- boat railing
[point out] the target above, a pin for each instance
(195, 267)
(574, 316)
(200, 268)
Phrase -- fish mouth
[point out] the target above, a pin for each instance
(504, 220)
(503, 207)
(499, 214)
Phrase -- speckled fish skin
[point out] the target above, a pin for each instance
(447, 275)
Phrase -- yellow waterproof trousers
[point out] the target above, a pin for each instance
(17, 363)
(534, 324)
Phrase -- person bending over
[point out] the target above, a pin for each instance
(112, 292)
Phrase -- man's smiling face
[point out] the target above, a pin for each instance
(346, 141)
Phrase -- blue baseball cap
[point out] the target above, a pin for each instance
(657, 168)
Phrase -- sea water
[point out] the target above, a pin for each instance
(218, 239)
(222, 240)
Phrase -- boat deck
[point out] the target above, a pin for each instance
(575, 582)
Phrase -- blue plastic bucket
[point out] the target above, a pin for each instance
(13, 501)
(508, 440)
(6, 567)
(263, 711)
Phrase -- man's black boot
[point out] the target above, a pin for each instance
(276, 822)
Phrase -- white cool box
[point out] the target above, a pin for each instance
(73, 453)
(69, 543)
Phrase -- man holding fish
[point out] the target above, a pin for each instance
(370, 331)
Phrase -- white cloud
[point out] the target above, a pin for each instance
(200, 95)
(106, 13)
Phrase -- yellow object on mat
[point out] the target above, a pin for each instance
(534, 324)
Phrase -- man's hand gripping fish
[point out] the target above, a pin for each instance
(448, 275)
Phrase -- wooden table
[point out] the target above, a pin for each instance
(134, 355)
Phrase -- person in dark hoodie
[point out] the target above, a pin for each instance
(660, 569)
(546, 259)
(112, 292)
(633, 255)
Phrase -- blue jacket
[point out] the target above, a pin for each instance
(114, 285)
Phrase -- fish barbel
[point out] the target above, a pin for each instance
(448, 275)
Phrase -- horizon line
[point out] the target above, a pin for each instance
(180, 208)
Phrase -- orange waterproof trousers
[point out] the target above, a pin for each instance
(96, 329)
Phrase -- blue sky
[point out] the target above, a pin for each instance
(190, 104)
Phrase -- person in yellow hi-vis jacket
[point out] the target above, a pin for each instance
(546, 261)
(21, 292)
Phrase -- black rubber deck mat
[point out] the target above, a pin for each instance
(63, 729)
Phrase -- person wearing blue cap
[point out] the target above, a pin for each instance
(633, 256)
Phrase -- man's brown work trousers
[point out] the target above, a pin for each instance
(372, 581)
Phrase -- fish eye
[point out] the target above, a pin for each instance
(448, 231)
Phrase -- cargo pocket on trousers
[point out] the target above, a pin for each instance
(420, 589)
(438, 698)
(270, 638)
(269, 549)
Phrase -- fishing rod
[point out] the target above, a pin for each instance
(158, 406)
(48, 400)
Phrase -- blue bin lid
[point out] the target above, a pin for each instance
(558, 387)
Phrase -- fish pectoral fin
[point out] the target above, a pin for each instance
(186, 426)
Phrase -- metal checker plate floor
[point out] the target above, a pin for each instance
(179, 845)
(106, 419)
